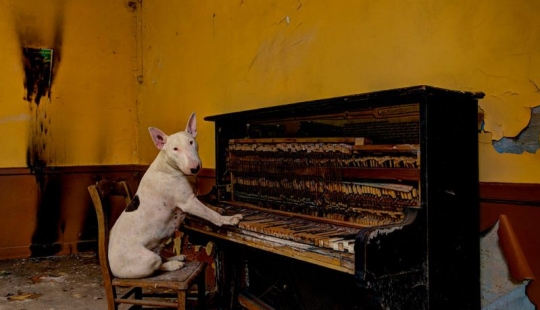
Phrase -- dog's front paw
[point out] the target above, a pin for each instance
(233, 220)
(171, 265)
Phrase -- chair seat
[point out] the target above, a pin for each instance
(180, 279)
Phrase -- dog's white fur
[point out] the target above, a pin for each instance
(161, 202)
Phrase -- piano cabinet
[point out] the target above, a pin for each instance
(377, 189)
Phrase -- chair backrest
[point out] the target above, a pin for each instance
(104, 194)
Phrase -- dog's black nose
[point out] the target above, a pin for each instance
(195, 170)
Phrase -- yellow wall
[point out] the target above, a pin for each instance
(221, 56)
(91, 116)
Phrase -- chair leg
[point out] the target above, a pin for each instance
(110, 294)
(182, 296)
(138, 293)
(201, 291)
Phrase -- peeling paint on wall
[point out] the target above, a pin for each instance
(527, 141)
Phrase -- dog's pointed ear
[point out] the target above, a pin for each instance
(191, 126)
(158, 136)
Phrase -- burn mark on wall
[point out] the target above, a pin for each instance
(132, 5)
(37, 32)
(527, 141)
(34, 42)
(48, 226)
(32, 36)
(38, 73)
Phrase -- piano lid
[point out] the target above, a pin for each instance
(342, 103)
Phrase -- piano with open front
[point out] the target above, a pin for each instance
(382, 186)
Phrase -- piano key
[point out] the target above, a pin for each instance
(338, 246)
(251, 225)
(313, 237)
(350, 247)
(346, 243)
(286, 230)
(269, 228)
(332, 241)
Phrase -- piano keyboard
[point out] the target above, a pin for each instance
(319, 234)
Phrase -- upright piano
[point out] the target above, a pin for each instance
(381, 186)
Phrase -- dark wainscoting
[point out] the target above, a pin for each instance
(49, 212)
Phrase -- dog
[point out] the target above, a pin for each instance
(159, 206)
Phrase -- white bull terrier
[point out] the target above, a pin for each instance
(159, 206)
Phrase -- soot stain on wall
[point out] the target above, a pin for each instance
(39, 76)
(38, 73)
(528, 140)
(31, 40)
(46, 233)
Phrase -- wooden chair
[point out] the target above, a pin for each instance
(179, 281)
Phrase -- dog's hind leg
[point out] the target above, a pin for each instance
(138, 264)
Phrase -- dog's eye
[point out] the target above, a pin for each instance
(191, 142)
(176, 149)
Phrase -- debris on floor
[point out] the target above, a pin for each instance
(52, 283)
